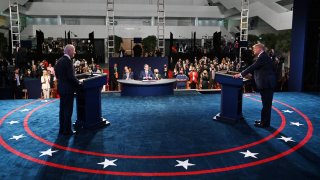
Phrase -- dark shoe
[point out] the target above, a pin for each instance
(261, 125)
(257, 121)
(69, 133)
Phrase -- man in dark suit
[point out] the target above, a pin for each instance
(127, 74)
(67, 84)
(146, 74)
(17, 83)
(265, 80)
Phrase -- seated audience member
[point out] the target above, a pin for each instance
(193, 77)
(27, 73)
(45, 81)
(157, 76)
(146, 74)
(181, 80)
(205, 80)
(175, 72)
(34, 72)
(212, 76)
(165, 71)
(130, 70)
(50, 68)
(114, 75)
(127, 74)
(98, 70)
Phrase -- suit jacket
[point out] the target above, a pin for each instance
(262, 70)
(14, 80)
(125, 75)
(143, 74)
(67, 82)
(157, 76)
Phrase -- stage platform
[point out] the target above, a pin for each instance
(167, 137)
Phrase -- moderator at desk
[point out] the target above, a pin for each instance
(147, 87)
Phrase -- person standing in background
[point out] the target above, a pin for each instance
(114, 75)
(17, 83)
(67, 84)
(45, 84)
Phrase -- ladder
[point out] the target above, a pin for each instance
(110, 29)
(161, 26)
(14, 25)
(244, 25)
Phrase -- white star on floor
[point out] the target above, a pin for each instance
(44, 101)
(18, 137)
(296, 124)
(249, 154)
(13, 122)
(24, 110)
(287, 111)
(286, 139)
(47, 152)
(247, 95)
(107, 163)
(184, 164)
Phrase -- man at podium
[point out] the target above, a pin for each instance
(67, 85)
(265, 80)
(146, 74)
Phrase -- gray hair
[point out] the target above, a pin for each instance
(68, 48)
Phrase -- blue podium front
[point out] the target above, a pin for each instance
(89, 102)
(231, 97)
(160, 87)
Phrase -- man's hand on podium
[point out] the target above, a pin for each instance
(237, 75)
(81, 82)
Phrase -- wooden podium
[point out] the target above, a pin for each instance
(231, 97)
(89, 102)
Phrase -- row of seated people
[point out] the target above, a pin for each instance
(47, 82)
(41, 74)
(184, 81)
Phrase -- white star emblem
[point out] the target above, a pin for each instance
(247, 95)
(47, 152)
(13, 122)
(249, 154)
(44, 101)
(286, 139)
(296, 124)
(287, 111)
(107, 163)
(184, 164)
(24, 110)
(18, 137)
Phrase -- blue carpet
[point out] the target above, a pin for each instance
(149, 135)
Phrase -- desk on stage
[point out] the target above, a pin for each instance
(147, 88)
(89, 102)
(231, 97)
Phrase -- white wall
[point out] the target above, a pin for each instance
(130, 10)
(124, 31)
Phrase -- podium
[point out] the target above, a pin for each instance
(89, 102)
(231, 97)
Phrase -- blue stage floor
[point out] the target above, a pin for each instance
(169, 137)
